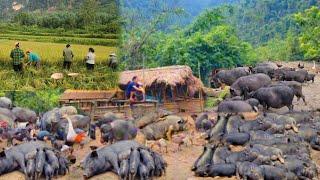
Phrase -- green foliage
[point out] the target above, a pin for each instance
(208, 43)
(296, 45)
(309, 38)
(275, 49)
(88, 12)
(90, 15)
(39, 101)
(100, 79)
(51, 62)
(61, 39)
(206, 21)
(259, 21)
(139, 28)
(220, 47)
(227, 36)
(214, 101)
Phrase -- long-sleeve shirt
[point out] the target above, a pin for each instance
(33, 57)
(17, 56)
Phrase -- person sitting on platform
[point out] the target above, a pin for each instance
(140, 95)
(132, 89)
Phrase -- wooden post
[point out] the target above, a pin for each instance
(92, 110)
(199, 70)
(164, 94)
(173, 92)
(201, 100)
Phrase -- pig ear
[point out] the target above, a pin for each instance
(3, 153)
(94, 154)
(93, 148)
(181, 121)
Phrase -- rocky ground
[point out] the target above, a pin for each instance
(179, 163)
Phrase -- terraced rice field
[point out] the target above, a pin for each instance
(51, 62)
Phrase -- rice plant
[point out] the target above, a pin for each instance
(51, 62)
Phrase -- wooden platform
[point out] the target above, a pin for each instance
(97, 103)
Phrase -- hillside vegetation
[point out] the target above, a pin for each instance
(91, 22)
(240, 33)
(93, 15)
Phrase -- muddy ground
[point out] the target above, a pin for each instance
(179, 163)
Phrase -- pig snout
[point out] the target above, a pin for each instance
(85, 177)
(87, 174)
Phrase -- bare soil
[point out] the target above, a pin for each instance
(180, 162)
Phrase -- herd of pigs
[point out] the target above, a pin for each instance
(273, 145)
(37, 156)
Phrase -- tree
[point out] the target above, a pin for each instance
(309, 22)
(203, 45)
(87, 12)
(219, 47)
(138, 29)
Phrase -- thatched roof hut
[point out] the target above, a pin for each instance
(170, 76)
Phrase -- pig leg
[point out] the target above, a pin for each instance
(304, 99)
(114, 163)
(290, 107)
(19, 158)
(315, 144)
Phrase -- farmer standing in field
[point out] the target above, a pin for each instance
(33, 58)
(17, 56)
(90, 59)
(68, 57)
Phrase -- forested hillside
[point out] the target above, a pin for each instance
(225, 35)
(259, 21)
(191, 8)
(97, 15)
(9, 6)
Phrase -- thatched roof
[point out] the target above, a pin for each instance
(170, 75)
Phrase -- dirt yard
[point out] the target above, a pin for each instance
(179, 163)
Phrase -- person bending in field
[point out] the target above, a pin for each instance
(132, 89)
(113, 62)
(17, 56)
(90, 59)
(68, 57)
(33, 58)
